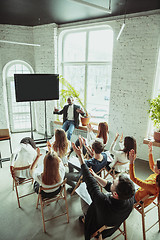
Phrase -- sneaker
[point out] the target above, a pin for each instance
(69, 190)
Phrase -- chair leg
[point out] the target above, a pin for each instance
(10, 145)
(44, 228)
(143, 223)
(125, 230)
(13, 184)
(17, 195)
(159, 214)
(37, 201)
(65, 197)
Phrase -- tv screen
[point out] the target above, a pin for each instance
(36, 87)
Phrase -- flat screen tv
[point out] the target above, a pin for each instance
(36, 87)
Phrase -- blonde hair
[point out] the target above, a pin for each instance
(50, 173)
(61, 142)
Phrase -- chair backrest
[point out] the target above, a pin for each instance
(141, 202)
(4, 133)
(26, 174)
(52, 188)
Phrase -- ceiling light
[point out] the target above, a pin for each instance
(123, 25)
(108, 10)
(20, 43)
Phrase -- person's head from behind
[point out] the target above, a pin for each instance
(61, 142)
(157, 166)
(50, 173)
(102, 131)
(98, 147)
(129, 143)
(70, 100)
(28, 140)
(122, 188)
(60, 136)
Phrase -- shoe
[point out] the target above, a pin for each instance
(69, 190)
(82, 219)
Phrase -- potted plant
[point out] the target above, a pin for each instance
(71, 91)
(154, 111)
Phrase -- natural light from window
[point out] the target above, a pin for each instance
(86, 62)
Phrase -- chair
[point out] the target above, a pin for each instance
(99, 231)
(4, 135)
(17, 182)
(81, 180)
(112, 171)
(47, 201)
(139, 206)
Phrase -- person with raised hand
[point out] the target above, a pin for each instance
(149, 186)
(109, 209)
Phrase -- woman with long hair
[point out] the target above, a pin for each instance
(102, 136)
(52, 175)
(60, 144)
(122, 155)
(149, 186)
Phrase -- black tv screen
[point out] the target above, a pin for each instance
(36, 87)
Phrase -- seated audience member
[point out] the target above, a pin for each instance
(149, 186)
(98, 161)
(101, 136)
(122, 155)
(109, 209)
(52, 175)
(24, 155)
(61, 145)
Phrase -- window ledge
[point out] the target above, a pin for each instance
(154, 143)
(84, 128)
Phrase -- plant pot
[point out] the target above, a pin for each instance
(157, 136)
(85, 120)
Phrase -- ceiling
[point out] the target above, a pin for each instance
(38, 12)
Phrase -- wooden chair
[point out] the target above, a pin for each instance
(81, 180)
(99, 232)
(18, 183)
(47, 201)
(112, 172)
(4, 135)
(139, 206)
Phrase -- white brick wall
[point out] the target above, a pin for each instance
(134, 68)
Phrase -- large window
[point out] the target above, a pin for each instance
(19, 112)
(86, 62)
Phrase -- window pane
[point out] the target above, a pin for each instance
(74, 47)
(98, 92)
(76, 75)
(100, 45)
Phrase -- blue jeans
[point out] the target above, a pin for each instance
(68, 125)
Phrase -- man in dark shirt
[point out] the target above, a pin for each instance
(97, 162)
(109, 209)
(70, 116)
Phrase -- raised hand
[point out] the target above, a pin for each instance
(77, 150)
(150, 147)
(49, 146)
(117, 135)
(121, 138)
(38, 153)
(132, 156)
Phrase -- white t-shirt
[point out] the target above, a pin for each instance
(24, 156)
(70, 115)
(38, 177)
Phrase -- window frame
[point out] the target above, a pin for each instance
(61, 63)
